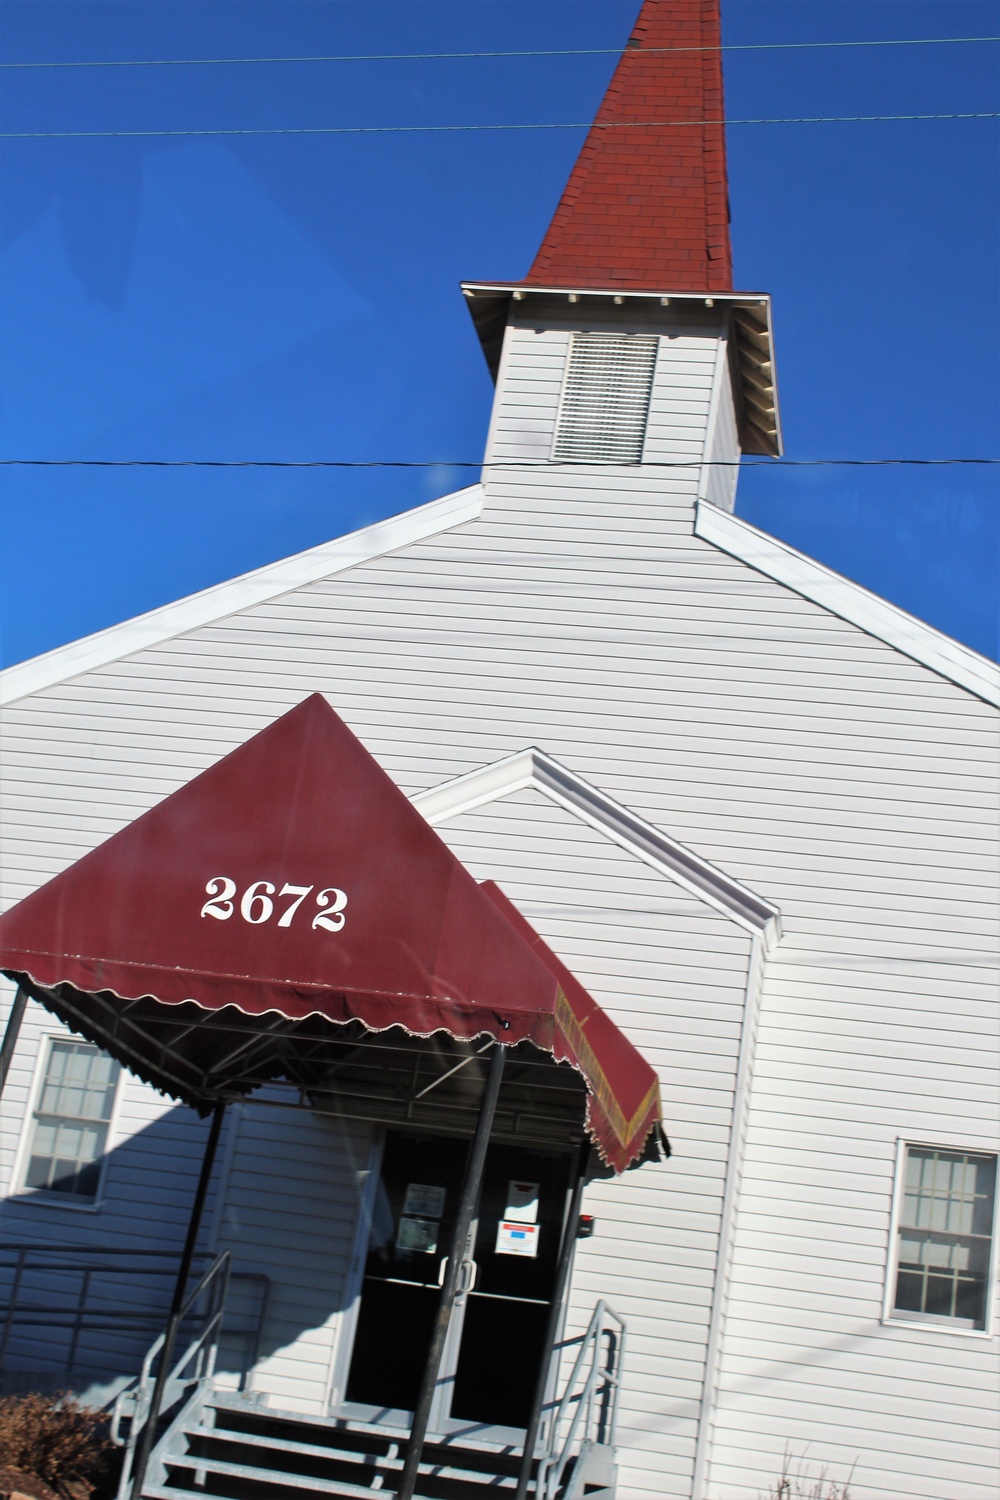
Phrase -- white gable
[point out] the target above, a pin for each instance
(810, 579)
(533, 768)
(213, 604)
(851, 602)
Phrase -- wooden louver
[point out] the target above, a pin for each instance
(605, 400)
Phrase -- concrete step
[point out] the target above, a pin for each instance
(225, 1465)
(312, 1463)
(246, 1481)
(237, 1412)
(320, 1437)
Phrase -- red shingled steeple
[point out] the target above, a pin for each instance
(645, 208)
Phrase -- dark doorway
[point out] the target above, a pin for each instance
(507, 1281)
(411, 1231)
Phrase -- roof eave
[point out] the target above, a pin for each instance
(752, 342)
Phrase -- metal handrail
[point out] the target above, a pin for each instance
(203, 1350)
(20, 1260)
(595, 1418)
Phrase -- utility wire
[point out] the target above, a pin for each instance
(469, 463)
(211, 62)
(37, 135)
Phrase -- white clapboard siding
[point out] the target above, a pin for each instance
(825, 770)
(291, 1201)
(657, 959)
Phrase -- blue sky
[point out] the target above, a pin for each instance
(297, 297)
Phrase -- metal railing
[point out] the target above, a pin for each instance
(59, 1296)
(586, 1414)
(190, 1372)
(82, 1289)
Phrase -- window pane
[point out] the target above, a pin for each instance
(79, 1082)
(71, 1122)
(909, 1290)
(946, 1220)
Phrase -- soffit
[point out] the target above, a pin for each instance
(751, 341)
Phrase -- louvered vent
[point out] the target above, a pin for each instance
(605, 401)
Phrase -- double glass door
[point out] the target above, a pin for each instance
(506, 1283)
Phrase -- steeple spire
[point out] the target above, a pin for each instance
(646, 207)
(637, 249)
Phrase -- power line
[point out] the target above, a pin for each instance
(36, 135)
(207, 62)
(469, 463)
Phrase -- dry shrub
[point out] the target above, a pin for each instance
(53, 1437)
(799, 1485)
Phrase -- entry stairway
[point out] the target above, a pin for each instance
(230, 1449)
(225, 1446)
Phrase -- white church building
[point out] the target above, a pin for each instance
(737, 823)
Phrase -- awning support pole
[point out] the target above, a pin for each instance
(552, 1325)
(148, 1435)
(456, 1257)
(10, 1035)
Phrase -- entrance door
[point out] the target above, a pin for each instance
(495, 1342)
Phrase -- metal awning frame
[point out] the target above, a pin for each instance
(310, 1057)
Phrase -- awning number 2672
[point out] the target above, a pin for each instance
(256, 905)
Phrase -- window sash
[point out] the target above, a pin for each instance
(70, 1122)
(944, 1236)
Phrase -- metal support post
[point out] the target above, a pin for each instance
(552, 1325)
(10, 1035)
(463, 1222)
(148, 1435)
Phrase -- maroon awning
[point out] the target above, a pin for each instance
(294, 878)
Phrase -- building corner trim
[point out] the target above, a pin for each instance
(730, 1209)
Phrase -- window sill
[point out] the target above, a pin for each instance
(32, 1198)
(937, 1325)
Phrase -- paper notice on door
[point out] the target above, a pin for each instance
(522, 1202)
(417, 1234)
(425, 1200)
(514, 1238)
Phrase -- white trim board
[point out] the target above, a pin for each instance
(234, 594)
(533, 768)
(851, 602)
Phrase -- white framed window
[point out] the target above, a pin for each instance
(944, 1237)
(67, 1129)
(605, 398)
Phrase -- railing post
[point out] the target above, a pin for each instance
(15, 1289)
(552, 1324)
(148, 1435)
(78, 1320)
(463, 1223)
(615, 1382)
(14, 1020)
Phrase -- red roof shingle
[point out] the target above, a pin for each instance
(646, 206)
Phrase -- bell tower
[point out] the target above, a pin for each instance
(625, 358)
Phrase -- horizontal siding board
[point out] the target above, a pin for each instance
(810, 731)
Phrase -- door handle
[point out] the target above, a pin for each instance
(468, 1275)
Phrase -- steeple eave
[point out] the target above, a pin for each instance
(751, 338)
